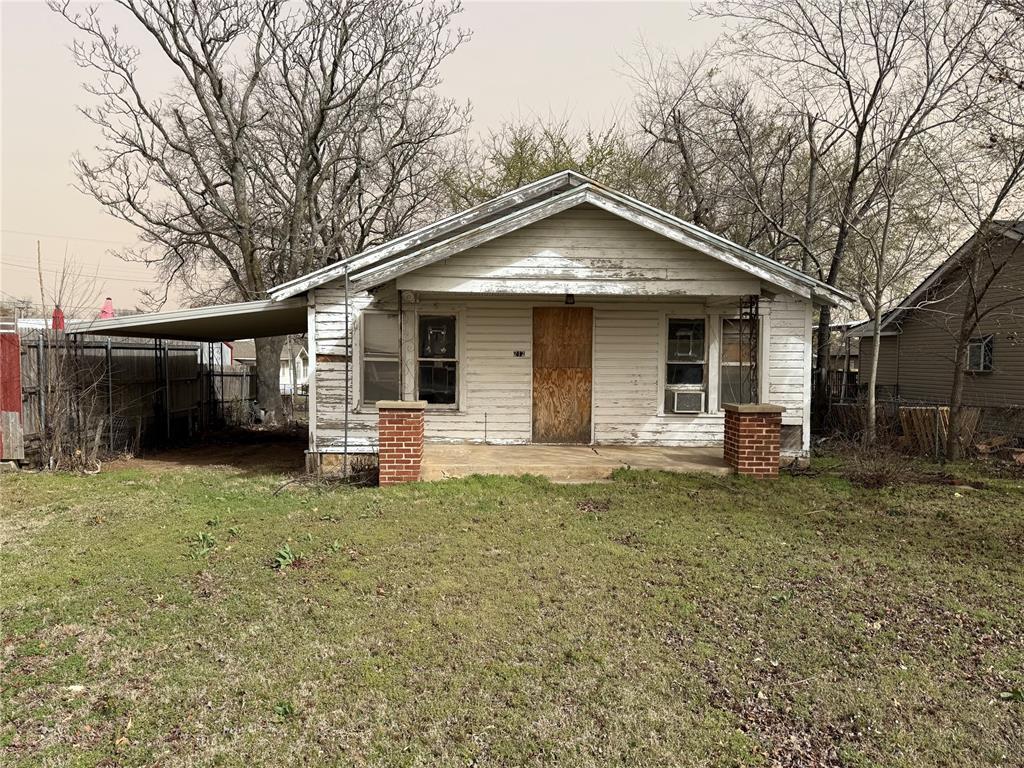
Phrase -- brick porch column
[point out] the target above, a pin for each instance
(400, 440)
(752, 437)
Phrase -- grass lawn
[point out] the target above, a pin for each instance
(655, 620)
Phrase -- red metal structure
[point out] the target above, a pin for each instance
(12, 444)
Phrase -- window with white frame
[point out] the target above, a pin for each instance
(437, 352)
(739, 339)
(979, 354)
(379, 352)
(685, 366)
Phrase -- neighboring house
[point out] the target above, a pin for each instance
(844, 350)
(216, 353)
(560, 312)
(918, 343)
(843, 362)
(294, 376)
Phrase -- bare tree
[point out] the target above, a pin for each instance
(296, 133)
(737, 165)
(901, 69)
(672, 110)
(69, 386)
(892, 247)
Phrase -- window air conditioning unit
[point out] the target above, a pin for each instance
(688, 402)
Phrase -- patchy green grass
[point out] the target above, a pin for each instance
(195, 618)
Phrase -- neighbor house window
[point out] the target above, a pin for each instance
(979, 354)
(437, 360)
(739, 338)
(685, 366)
(380, 357)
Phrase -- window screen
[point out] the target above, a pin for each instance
(979, 354)
(438, 361)
(380, 357)
(737, 370)
(684, 359)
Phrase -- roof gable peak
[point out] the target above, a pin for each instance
(534, 202)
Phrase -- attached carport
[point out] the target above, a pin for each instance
(205, 325)
(222, 322)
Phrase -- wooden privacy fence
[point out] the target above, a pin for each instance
(924, 427)
(127, 393)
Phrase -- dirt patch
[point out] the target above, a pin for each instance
(250, 450)
(767, 713)
(881, 468)
(593, 506)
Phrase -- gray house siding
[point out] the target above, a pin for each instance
(919, 359)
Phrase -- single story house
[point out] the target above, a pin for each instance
(294, 363)
(561, 312)
(918, 342)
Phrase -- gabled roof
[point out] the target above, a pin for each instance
(1013, 229)
(534, 202)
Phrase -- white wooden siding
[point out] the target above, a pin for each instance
(330, 317)
(627, 381)
(496, 396)
(330, 387)
(789, 361)
(585, 251)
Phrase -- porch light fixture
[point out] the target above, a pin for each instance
(570, 298)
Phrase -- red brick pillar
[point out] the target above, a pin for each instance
(752, 436)
(400, 440)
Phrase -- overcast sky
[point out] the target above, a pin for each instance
(525, 59)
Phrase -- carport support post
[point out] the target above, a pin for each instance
(167, 389)
(110, 401)
(41, 382)
(400, 440)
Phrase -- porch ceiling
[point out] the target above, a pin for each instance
(222, 322)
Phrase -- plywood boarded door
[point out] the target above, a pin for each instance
(562, 374)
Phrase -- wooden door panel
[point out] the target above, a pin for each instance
(562, 374)
(562, 337)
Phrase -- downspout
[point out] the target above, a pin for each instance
(401, 349)
(348, 379)
(899, 336)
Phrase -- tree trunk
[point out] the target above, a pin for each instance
(871, 434)
(268, 378)
(968, 325)
(956, 397)
(812, 196)
(819, 390)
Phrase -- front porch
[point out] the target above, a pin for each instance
(565, 463)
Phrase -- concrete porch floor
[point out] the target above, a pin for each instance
(564, 463)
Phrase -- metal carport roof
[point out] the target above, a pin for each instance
(221, 322)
